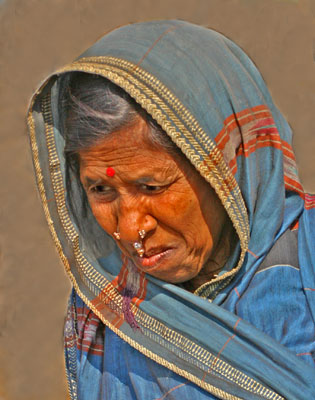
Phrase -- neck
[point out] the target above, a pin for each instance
(217, 259)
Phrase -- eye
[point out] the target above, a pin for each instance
(152, 188)
(101, 191)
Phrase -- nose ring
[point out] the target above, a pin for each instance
(138, 246)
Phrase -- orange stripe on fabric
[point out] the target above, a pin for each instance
(221, 142)
(103, 295)
(223, 136)
(233, 165)
(117, 278)
(249, 114)
(236, 323)
(91, 346)
(275, 141)
(142, 292)
(120, 281)
(309, 206)
(258, 142)
(309, 201)
(89, 350)
(91, 322)
(293, 185)
(102, 303)
(288, 149)
(267, 136)
(154, 44)
(118, 321)
(295, 225)
(87, 342)
(265, 121)
(223, 347)
(229, 339)
(172, 390)
(243, 117)
(253, 254)
(225, 344)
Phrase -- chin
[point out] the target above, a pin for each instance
(177, 277)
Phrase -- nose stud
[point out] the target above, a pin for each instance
(138, 246)
(116, 235)
(142, 233)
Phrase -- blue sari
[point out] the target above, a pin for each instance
(249, 332)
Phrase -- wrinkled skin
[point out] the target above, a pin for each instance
(188, 233)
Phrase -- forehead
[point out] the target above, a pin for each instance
(130, 147)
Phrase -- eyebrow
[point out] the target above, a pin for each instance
(144, 179)
(88, 181)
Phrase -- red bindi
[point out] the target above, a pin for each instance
(110, 171)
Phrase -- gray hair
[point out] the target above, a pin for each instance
(95, 107)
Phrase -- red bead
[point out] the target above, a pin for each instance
(110, 171)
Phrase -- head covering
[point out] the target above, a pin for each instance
(209, 98)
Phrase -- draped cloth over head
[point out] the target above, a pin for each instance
(212, 102)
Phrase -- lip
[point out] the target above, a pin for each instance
(153, 257)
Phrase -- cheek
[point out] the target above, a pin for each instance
(193, 222)
(180, 210)
(175, 206)
(104, 216)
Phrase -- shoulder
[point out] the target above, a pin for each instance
(276, 302)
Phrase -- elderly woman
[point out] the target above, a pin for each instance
(170, 188)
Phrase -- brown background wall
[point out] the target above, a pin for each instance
(37, 37)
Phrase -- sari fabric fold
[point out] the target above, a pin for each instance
(246, 334)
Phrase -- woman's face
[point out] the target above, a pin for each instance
(162, 194)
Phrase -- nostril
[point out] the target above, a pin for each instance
(149, 224)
